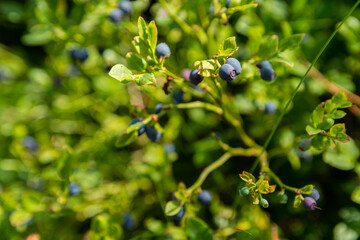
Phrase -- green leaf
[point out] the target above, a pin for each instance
(294, 159)
(145, 79)
(338, 114)
(172, 208)
(241, 8)
(341, 101)
(326, 123)
(269, 47)
(38, 35)
(228, 47)
(140, 47)
(265, 188)
(343, 157)
(100, 224)
(311, 130)
(126, 138)
(206, 67)
(337, 132)
(298, 200)
(197, 229)
(142, 28)
(135, 62)
(320, 142)
(291, 42)
(19, 217)
(282, 60)
(64, 166)
(330, 107)
(121, 73)
(355, 195)
(307, 189)
(317, 115)
(153, 35)
(247, 177)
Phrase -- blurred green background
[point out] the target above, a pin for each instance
(75, 111)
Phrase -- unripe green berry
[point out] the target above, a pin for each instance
(264, 203)
(244, 191)
(283, 199)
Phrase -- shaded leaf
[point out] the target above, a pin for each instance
(126, 138)
(197, 229)
(269, 47)
(135, 62)
(172, 208)
(291, 42)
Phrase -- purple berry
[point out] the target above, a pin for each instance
(315, 194)
(235, 63)
(185, 74)
(309, 203)
(267, 74)
(195, 77)
(162, 50)
(227, 72)
(304, 144)
(204, 197)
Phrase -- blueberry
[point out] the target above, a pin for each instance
(204, 197)
(178, 96)
(283, 199)
(270, 107)
(227, 72)
(142, 127)
(264, 203)
(185, 74)
(235, 63)
(244, 191)
(304, 144)
(125, 6)
(264, 64)
(116, 15)
(80, 54)
(309, 203)
(162, 50)
(129, 222)
(30, 143)
(195, 77)
(158, 108)
(153, 134)
(227, 4)
(315, 194)
(177, 217)
(74, 189)
(267, 74)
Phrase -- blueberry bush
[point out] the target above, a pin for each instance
(209, 119)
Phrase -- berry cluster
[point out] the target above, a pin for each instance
(309, 202)
(117, 14)
(266, 71)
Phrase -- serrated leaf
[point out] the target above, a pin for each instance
(145, 79)
(197, 229)
(172, 208)
(121, 73)
(135, 62)
(340, 100)
(291, 42)
(307, 189)
(311, 130)
(64, 166)
(126, 138)
(343, 157)
(269, 47)
(247, 177)
(153, 35)
(355, 195)
(228, 47)
(297, 201)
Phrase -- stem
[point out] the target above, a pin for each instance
(280, 183)
(298, 86)
(198, 104)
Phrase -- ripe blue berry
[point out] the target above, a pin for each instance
(264, 203)
(153, 134)
(129, 222)
(315, 194)
(116, 15)
(244, 191)
(125, 6)
(162, 50)
(309, 203)
(204, 197)
(264, 64)
(30, 143)
(267, 74)
(178, 96)
(142, 127)
(177, 217)
(74, 189)
(227, 4)
(270, 107)
(235, 63)
(158, 108)
(80, 54)
(283, 199)
(227, 72)
(304, 144)
(195, 77)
